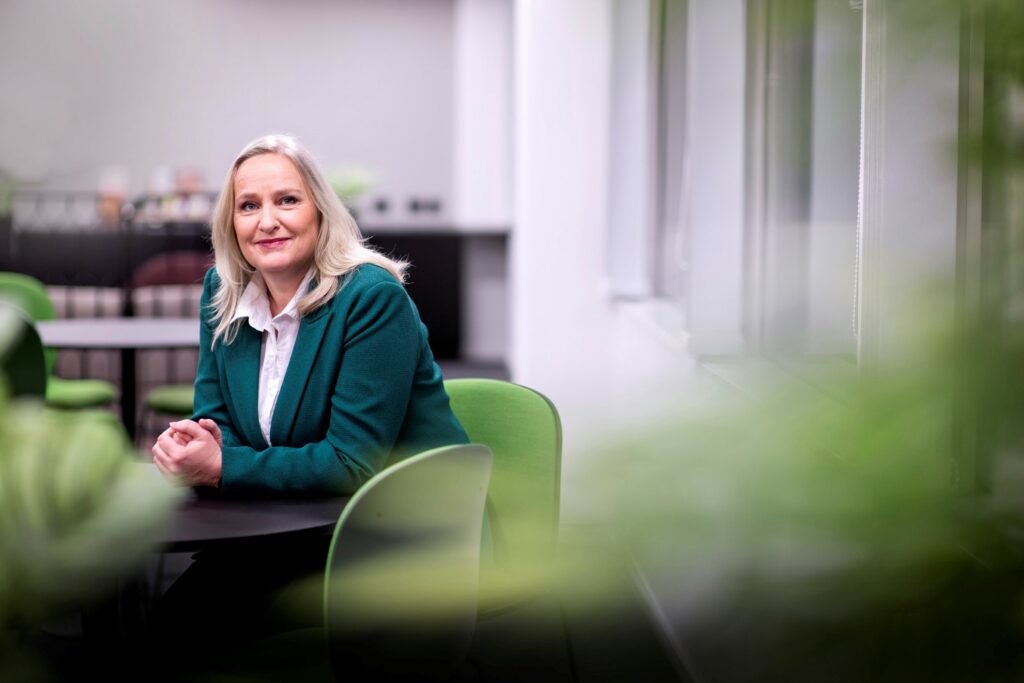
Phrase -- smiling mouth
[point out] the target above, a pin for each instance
(270, 244)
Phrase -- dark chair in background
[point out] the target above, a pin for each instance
(168, 285)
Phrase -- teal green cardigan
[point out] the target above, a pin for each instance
(361, 391)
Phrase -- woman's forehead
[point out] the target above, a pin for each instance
(269, 168)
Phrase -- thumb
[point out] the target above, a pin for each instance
(211, 426)
(189, 427)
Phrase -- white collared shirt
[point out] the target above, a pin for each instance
(279, 335)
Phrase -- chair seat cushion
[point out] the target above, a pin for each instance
(173, 399)
(79, 393)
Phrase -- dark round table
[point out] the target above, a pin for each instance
(201, 523)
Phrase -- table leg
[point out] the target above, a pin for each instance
(128, 401)
(113, 629)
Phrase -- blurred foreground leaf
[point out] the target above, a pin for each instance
(75, 510)
(816, 533)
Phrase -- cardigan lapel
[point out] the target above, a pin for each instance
(307, 347)
(242, 367)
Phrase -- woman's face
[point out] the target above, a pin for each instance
(276, 220)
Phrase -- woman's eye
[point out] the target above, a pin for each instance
(247, 206)
(288, 199)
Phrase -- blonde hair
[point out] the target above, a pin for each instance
(340, 246)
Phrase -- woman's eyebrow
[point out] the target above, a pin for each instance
(251, 194)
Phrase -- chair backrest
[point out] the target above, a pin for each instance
(30, 295)
(21, 354)
(169, 284)
(400, 597)
(172, 268)
(522, 428)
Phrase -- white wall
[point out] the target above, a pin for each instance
(603, 364)
(188, 82)
(633, 162)
(483, 113)
(717, 170)
(482, 199)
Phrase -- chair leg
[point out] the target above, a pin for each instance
(158, 579)
(523, 643)
(569, 648)
(143, 421)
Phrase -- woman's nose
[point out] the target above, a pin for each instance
(268, 218)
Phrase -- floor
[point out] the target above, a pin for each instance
(545, 640)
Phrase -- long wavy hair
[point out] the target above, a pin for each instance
(340, 246)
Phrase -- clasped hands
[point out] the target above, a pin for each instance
(189, 452)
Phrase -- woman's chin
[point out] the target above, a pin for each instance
(280, 267)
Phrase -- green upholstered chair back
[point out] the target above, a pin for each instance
(21, 354)
(30, 295)
(522, 428)
(400, 598)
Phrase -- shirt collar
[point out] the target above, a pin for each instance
(255, 305)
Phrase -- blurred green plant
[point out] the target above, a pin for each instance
(75, 511)
(814, 538)
(350, 182)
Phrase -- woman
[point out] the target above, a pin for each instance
(314, 373)
(314, 368)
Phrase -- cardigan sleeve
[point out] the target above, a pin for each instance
(208, 399)
(367, 407)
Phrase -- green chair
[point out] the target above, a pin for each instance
(400, 597)
(522, 428)
(21, 354)
(403, 568)
(171, 399)
(522, 632)
(30, 295)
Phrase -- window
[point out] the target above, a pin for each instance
(648, 169)
(673, 167)
(802, 176)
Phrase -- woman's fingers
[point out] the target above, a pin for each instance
(190, 429)
(211, 426)
(190, 453)
(170, 443)
(162, 461)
